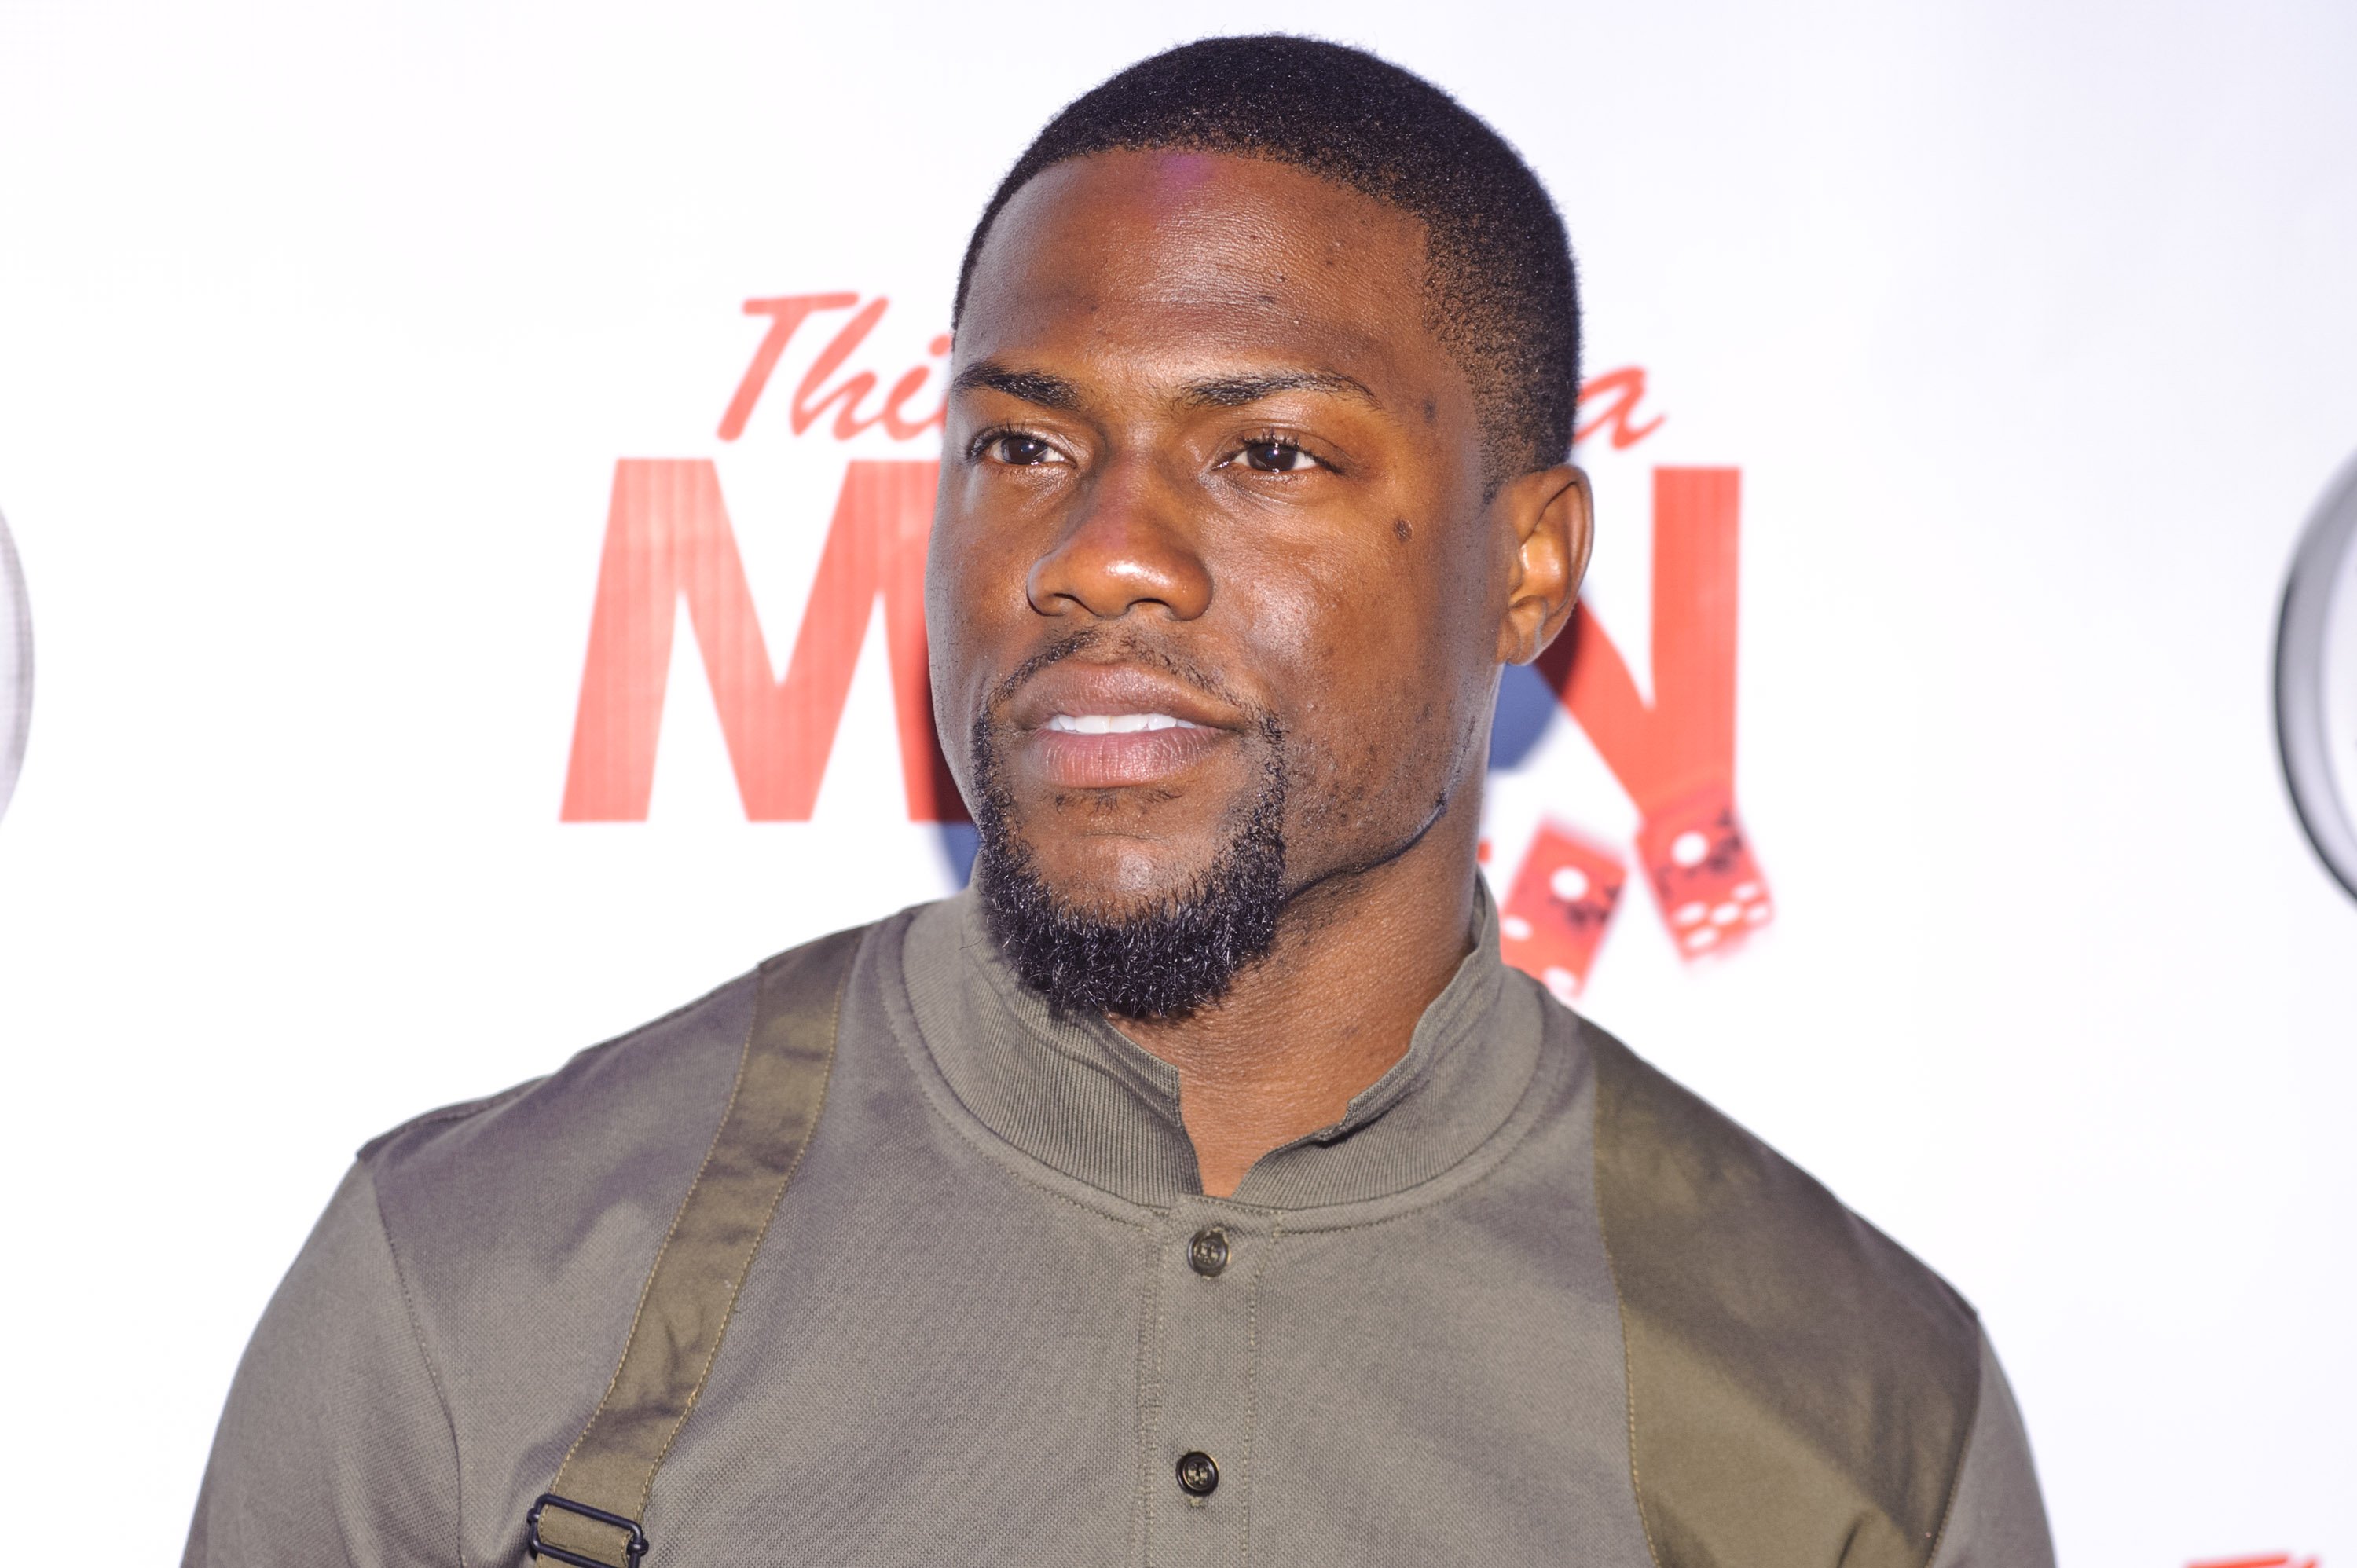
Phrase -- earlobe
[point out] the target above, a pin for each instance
(1552, 516)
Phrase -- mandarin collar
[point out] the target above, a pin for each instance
(1079, 1096)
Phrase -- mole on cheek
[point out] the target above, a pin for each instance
(1401, 529)
(1431, 411)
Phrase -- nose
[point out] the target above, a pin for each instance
(1121, 550)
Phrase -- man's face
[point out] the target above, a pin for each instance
(1211, 562)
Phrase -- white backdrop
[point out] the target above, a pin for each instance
(323, 327)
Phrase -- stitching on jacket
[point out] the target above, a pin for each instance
(1147, 1303)
(1149, 1478)
(1252, 1375)
(433, 1375)
(703, 1375)
(744, 1055)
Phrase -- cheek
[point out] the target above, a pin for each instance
(973, 586)
(1368, 660)
(947, 595)
(963, 635)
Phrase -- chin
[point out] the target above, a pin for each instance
(1120, 880)
(1113, 925)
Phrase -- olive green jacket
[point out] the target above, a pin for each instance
(1528, 1302)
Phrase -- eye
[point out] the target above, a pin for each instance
(1018, 449)
(1275, 454)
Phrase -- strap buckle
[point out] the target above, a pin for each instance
(535, 1546)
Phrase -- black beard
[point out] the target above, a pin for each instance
(1165, 961)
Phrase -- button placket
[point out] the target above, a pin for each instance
(1212, 1259)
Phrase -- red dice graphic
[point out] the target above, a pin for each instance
(1705, 879)
(1562, 899)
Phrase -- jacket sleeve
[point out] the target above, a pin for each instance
(335, 1445)
(1997, 1519)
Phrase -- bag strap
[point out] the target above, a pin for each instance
(592, 1514)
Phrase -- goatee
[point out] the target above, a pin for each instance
(1165, 960)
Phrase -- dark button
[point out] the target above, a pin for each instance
(1207, 1254)
(1198, 1474)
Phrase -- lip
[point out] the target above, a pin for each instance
(1065, 760)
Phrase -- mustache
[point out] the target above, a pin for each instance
(1131, 647)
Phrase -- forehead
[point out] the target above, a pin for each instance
(1139, 255)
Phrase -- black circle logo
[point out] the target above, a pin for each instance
(15, 666)
(2316, 680)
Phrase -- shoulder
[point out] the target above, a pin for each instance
(613, 1106)
(1682, 1178)
(581, 1169)
(1794, 1375)
(520, 1226)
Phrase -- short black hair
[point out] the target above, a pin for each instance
(1501, 294)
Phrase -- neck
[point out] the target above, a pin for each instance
(1330, 1010)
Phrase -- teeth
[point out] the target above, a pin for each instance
(1115, 724)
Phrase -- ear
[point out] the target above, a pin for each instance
(1551, 517)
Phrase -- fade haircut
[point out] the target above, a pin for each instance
(1499, 291)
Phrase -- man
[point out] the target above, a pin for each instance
(1199, 1186)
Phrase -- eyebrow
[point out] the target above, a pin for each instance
(1046, 391)
(1235, 392)
(1031, 386)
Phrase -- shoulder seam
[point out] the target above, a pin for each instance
(458, 1112)
(1597, 1045)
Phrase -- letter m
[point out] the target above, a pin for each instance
(668, 539)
